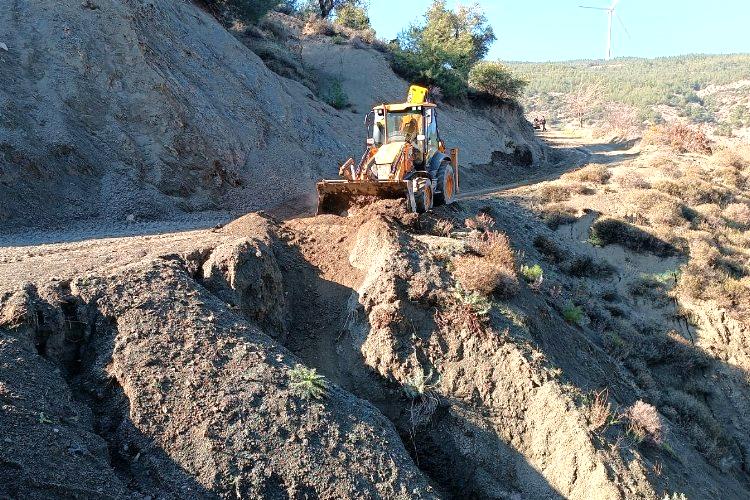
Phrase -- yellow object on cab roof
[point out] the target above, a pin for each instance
(416, 94)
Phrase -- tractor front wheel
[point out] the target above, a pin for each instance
(423, 195)
(446, 185)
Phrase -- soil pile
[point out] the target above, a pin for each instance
(173, 392)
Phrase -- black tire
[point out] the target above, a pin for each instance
(423, 195)
(446, 185)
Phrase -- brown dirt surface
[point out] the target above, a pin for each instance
(182, 392)
(173, 353)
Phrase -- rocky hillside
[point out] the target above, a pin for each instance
(125, 111)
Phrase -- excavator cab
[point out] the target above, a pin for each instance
(404, 158)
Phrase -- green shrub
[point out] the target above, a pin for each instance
(307, 383)
(480, 304)
(352, 16)
(572, 314)
(495, 79)
(533, 273)
(549, 249)
(420, 383)
(585, 266)
(249, 11)
(335, 96)
(443, 49)
(607, 231)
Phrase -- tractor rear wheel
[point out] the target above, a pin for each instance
(423, 195)
(446, 185)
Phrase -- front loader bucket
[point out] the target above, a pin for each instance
(335, 197)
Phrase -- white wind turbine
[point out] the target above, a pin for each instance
(610, 14)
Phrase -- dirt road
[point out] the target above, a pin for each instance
(28, 257)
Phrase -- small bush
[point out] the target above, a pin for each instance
(335, 96)
(739, 214)
(549, 249)
(307, 383)
(600, 411)
(682, 138)
(495, 246)
(585, 266)
(481, 222)
(248, 11)
(573, 314)
(597, 174)
(353, 17)
(481, 275)
(477, 302)
(424, 401)
(532, 274)
(556, 218)
(554, 193)
(419, 383)
(495, 80)
(616, 346)
(492, 266)
(735, 158)
(607, 231)
(443, 227)
(669, 187)
(316, 25)
(632, 180)
(644, 423)
(669, 213)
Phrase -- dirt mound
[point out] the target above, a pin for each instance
(181, 394)
(499, 408)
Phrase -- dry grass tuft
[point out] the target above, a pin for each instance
(736, 158)
(668, 213)
(597, 174)
(679, 137)
(739, 214)
(633, 180)
(479, 274)
(495, 246)
(645, 423)
(491, 268)
(481, 222)
(552, 192)
(599, 411)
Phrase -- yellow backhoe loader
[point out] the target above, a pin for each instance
(404, 158)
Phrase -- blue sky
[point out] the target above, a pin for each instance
(555, 30)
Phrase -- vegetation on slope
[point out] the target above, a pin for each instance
(643, 84)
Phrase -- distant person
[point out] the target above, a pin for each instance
(544, 124)
(536, 123)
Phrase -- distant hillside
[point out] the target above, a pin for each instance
(657, 89)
